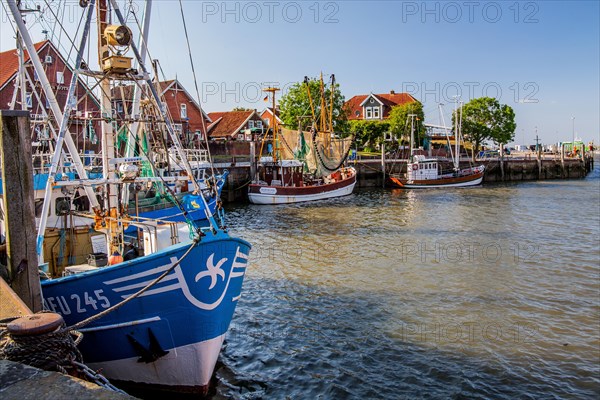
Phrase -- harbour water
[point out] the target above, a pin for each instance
(486, 292)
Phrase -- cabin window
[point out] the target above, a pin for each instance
(60, 77)
(376, 112)
(420, 166)
(28, 100)
(369, 113)
(250, 124)
(183, 111)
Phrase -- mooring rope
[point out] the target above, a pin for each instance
(51, 351)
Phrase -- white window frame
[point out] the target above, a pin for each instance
(259, 124)
(183, 110)
(119, 106)
(29, 100)
(376, 113)
(251, 124)
(368, 113)
(60, 78)
(178, 128)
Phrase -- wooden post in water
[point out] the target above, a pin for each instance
(562, 159)
(252, 161)
(539, 161)
(383, 162)
(19, 214)
(501, 161)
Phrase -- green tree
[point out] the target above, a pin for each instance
(295, 104)
(370, 132)
(400, 121)
(485, 119)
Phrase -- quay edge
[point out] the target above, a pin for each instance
(369, 172)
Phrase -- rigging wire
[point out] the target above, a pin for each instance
(197, 91)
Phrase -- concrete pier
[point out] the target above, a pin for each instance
(22, 382)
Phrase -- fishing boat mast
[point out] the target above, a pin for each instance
(276, 148)
(412, 135)
(137, 94)
(456, 135)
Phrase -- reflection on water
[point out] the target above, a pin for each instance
(482, 292)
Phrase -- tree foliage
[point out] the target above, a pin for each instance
(295, 105)
(400, 122)
(369, 132)
(486, 119)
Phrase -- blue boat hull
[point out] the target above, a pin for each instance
(192, 204)
(186, 314)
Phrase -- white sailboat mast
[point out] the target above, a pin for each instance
(412, 135)
(446, 130)
(456, 136)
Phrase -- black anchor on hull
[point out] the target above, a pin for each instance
(150, 354)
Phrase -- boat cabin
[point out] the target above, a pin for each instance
(423, 169)
(289, 173)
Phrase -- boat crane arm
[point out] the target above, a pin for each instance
(64, 136)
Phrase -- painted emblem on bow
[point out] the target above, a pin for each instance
(213, 271)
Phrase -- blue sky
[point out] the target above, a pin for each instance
(540, 57)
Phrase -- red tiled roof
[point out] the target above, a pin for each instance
(389, 100)
(270, 109)
(9, 62)
(227, 123)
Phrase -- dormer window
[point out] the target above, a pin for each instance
(376, 112)
(183, 109)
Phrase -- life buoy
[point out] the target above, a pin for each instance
(415, 167)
